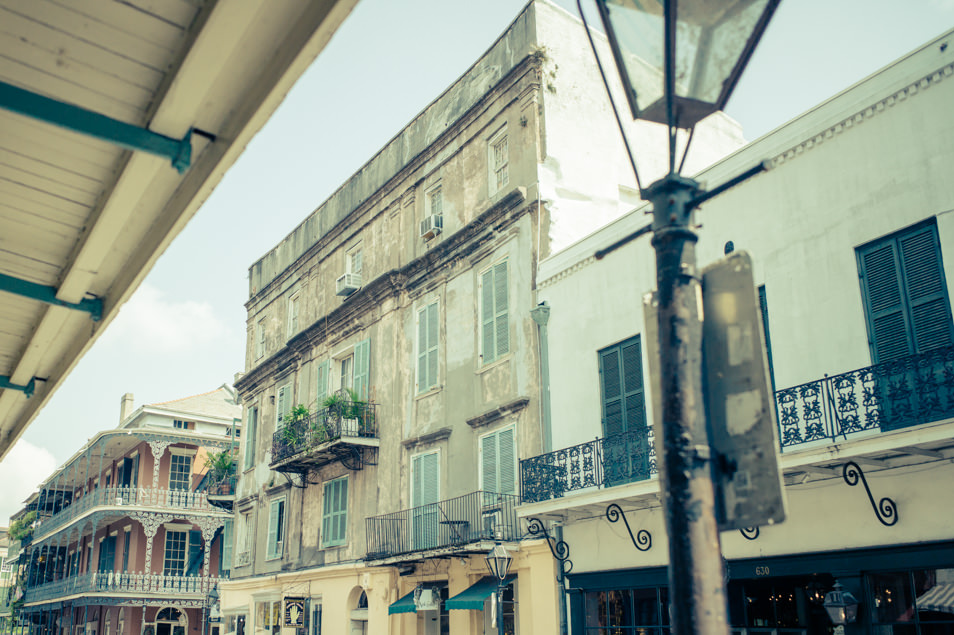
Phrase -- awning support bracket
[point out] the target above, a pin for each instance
(559, 549)
(27, 390)
(885, 510)
(643, 540)
(94, 124)
(47, 294)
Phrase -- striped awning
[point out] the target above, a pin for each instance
(940, 598)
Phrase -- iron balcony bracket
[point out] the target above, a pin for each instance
(750, 533)
(643, 539)
(885, 509)
(94, 124)
(560, 550)
(43, 293)
(26, 390)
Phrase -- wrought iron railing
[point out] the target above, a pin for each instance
(224, 486)
(120, 496)
(119, 582)
(888, 396)
(354, 419)
(454, 522)
(603, 462)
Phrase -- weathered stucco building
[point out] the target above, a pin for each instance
(392, 372)
(851, 235)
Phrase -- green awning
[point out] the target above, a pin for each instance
(404, 605)
(473, 597)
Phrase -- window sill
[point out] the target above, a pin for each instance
(494, 364)
(429, 392)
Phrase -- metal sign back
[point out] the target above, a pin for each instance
(740, 407)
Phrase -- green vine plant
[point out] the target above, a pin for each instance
(221, 464)
(22, 528)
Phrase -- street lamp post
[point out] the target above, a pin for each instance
(679, 62)
(498, 561)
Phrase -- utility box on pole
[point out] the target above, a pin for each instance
(740, 405)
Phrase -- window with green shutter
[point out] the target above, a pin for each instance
(251, 437)
(107, 553)
(425, 493)
(225, 548)
(427, 347)
(334, 515)
(498, 461)
(321, 382)
(494, 302)
(362, 368)
(625, 434)
(907, 309)
(276, 529)
(283, 403)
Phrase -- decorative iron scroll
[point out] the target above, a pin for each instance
(560, 550)
(750, 533)
(643, 539)
(885, 509)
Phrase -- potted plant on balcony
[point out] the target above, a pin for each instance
(221, 466)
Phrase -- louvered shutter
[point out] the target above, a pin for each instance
(888, 327)
(194, 566)
(107, 553)
(612, 388)
(273, 519)
(487, 316)
(282, 405)
(926, 290)
(425, 486)
(621, 383)
(422, 383)
(507, 461)
(501, 318)
(321, 382)
(633, 396)
(362, 368)
(432, 345)
(225, 547)
(488, 463)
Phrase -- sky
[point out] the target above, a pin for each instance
(183, 332)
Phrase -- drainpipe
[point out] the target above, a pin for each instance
(541, 315)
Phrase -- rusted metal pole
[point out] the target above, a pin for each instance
(696, 577)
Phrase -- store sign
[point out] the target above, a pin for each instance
(294, 612)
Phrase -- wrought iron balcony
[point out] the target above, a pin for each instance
(346, 432)
(888, 396)
(452, 524)
(603, 462)
(125, 496)
(118, 582)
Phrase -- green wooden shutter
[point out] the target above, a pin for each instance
(422, 382)
(322, 372)
(488, 463)
(488, 349)
(432, 344)
(621, 384)
(282, 405)
(251, 430)
(501, 305)
(107, 554)
(425, 480)
(362, 368)
(334, 523)
(926, 289)
(194, 562)
(225, 555)
(506, 461)
(907, 309)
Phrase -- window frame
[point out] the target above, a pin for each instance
(293, 310)
(165, 552)
(275, 538)
(423, 351)
(494, 168)
(330, 516)
(496, 313)
(260, 338)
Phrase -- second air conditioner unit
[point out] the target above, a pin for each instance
(432, 226)
(348, 284)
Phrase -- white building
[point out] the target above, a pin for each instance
(852, 238)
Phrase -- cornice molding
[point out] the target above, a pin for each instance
(430, 437)
(498, 413)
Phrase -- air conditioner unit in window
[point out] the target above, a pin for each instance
(432, 226)
(348, 284)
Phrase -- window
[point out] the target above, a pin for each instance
(641, 610)
(434, 201)
(175, 553)
(180, 425)
(498, 461)
(346, 372)
(251, 424)
(425, 493)
(905, 295)
(225, 553)
(268, 617)
(499, 161)
(276, 529)
(626, 444)
(914, 601)
(322, 371)
(260, 339)
(353, 260)
(180, 472)
(334, 515)
(283, 403)
(354, 371)
(494, 325)
(293, 305)
(243, 540)
(107, 554)
(126, 538)
(316, 617)
(427, 342)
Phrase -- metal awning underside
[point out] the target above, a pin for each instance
(83, 218)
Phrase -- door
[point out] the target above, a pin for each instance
(425, 473)
(625, 433)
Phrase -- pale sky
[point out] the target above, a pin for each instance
(183, 333)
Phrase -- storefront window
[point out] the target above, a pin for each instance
(267, 617)
(920, 602)
(235, 625)
(627, 612)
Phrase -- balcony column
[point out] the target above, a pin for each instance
(208, 526)
(99, 474)
(150, 525)
(158, 447)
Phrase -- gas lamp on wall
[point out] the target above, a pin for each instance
(841, 605)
